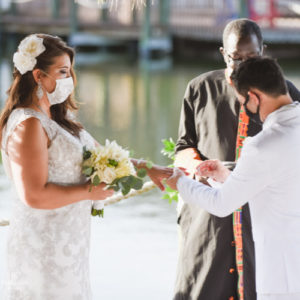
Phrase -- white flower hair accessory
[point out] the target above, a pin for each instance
(29, 48)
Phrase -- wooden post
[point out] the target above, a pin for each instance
(73, 16)
(13, 8)
(134, 16)
(244, 8)
(164, 12)
(55, 8)
(146, 31)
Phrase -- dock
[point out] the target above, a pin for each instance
(151, 28)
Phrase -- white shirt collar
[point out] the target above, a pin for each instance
(282, 114)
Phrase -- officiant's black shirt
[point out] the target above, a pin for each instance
(209, 122)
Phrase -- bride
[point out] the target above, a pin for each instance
(41, 145)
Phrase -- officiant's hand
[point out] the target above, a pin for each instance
(213, 169)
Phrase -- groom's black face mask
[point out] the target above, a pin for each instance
(253, 116)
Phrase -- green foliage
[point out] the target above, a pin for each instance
(97, 212)
(96, 180)
(87, 170)
(123, 184)
(169, 148)
(141, 172)
(149, 164)
(126, 183)
(170, 195)
(86, 153)
(169, 151)
(112, 162)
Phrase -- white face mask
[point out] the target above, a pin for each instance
(64, 88)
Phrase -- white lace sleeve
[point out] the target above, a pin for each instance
(21, 114)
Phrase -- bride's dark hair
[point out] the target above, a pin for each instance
(21, 91)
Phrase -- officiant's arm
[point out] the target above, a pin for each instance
(156, 173)
(189, 159)
(187, 154)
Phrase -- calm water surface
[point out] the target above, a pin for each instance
(134, 248)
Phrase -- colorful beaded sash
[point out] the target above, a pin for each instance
(237, 215)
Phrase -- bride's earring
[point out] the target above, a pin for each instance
(39, 91)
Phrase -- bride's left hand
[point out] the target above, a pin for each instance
(158, 174)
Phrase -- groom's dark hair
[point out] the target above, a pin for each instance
(262, 73)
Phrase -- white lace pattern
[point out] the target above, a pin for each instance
(48, 250)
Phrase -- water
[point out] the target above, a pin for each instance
(134, 248)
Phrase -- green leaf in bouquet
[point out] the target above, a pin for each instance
(141, 172)
(94, 212)
(115, 181)
(125, 189)
(96, 180)
(137, 184)
(149, 164)
(101, 213)
(130, 180)
(112, 162)
(87, 170)
(86, 153)
(116, 188)
(97, 212)
(123, 179)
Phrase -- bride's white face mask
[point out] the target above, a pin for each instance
(63, 89)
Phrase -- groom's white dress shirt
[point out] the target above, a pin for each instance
(267, 176)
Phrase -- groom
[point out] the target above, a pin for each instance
(208, 129)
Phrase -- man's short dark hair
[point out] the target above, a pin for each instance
(262, 73)
(242, 28)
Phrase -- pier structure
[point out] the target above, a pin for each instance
(151, 28)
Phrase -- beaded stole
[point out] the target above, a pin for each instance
(237, 215)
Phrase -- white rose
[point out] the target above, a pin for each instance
(109, 175)
(32, 45)
(24, 62)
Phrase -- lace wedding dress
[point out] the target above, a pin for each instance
(48, 250)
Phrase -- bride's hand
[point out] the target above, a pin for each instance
(99, 192)
(158, 174)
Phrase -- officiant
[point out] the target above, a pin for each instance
(216, 258)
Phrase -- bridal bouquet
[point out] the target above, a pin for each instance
(111, 164)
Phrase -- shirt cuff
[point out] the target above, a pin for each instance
(181, 183)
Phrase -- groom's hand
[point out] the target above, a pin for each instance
(172, 181)
(213, 169)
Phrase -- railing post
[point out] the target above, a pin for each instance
(146, 31)
(244, 8)
(164, 13)
(55, 9)
(104, 15)
(13, 8)
(73, 16)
